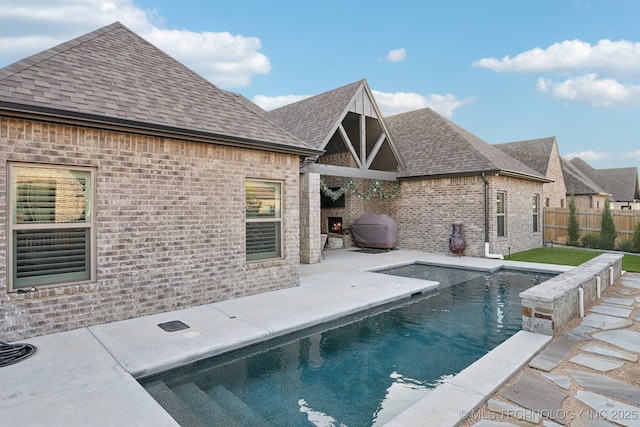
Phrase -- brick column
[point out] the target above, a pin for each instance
(310, 218)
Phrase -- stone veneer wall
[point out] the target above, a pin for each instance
(170, 226)
(551, 305)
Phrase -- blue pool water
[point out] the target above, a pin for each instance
(361, 373)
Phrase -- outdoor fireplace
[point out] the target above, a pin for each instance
(335, 224)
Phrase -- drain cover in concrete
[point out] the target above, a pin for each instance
(610, 409)
(597, 363)
(559, 380)
(629, 340)
(606, 351)
(602, 321)
(611, 310)
(532, 392)
(604, 385)
(619, 301)
(553, 354)
(173, 326)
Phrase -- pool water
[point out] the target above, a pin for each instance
(358, 374)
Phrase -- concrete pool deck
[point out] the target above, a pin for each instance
(87, 376)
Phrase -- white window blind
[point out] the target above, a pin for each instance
(264, 219)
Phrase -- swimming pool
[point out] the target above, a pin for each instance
(361, 373)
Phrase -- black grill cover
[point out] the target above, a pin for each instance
(375, 231)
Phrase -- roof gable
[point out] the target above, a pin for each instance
(112, 75)
(435, 146)
(346, 119)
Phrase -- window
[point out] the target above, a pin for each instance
(500, 215)
(535, 213)
(264, 219)
(51, 225)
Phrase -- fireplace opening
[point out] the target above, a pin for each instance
(335, 224)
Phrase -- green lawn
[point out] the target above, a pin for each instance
(571, 256)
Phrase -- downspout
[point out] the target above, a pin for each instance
(486, 221)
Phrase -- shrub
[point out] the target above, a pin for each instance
(608, 231)
(626, 245)
(636, 238)
(591, 240)
(573, 231)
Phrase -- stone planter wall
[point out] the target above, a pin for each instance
(551, 305)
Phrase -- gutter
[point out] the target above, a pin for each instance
(52, 115)
(486, 221)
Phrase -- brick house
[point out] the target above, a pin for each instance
(621, 183)
(448, 175)
(134, 186)
(586, 193)
(453, 176)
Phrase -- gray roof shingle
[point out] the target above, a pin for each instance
(577, 183)
(113, 75)
(435, 146)
(621, 183)
(313, 119)
(535, 153)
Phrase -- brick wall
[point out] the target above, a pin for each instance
(555, 191)
(170, 226)
(425, 210)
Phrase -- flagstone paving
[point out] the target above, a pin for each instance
(588, 376)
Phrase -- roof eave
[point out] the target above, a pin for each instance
(27, 111)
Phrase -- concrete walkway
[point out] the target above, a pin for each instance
(87, 376)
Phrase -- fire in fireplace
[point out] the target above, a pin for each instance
(335, 224)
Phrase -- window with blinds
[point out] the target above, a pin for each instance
(264, 219)
(500, 216)
(51, 225)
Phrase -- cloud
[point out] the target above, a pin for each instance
(619, 59)
(399, 102)
(389, 103)
(272, 102)
(589, 155)
(632, 155)
(396, 55)
(589, 89)
(225, 59)
(601, 75)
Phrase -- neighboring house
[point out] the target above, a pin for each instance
(452, 176)
(544, 157)
(586, 193)
(134, 186)
(621, 183)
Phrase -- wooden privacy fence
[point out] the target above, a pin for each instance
(556, 222)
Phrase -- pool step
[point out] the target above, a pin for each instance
(205, 407)
(240, 410)
(174, 405)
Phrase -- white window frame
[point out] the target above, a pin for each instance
(536, 213)
(502, 214)
(16, 224)
(269, 212)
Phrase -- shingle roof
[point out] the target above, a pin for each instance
(535, 153)
(435, 146)
(621, 183)
(577, 182)
(313, 119)
(112, 75)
